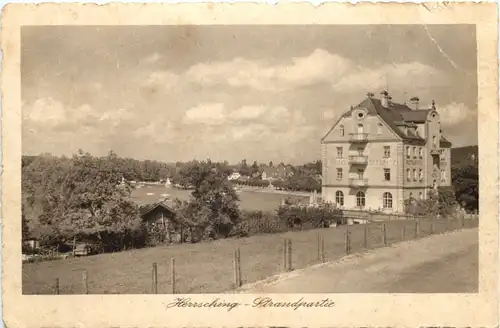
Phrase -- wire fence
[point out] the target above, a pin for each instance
(225, 265)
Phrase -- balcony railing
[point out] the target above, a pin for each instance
(358, 137)
(358, 159)
(358, 182)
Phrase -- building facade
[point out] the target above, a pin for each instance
(381, 153)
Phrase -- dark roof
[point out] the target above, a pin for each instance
(396, 115)
(144, 210)
(444, 142)
(415, 116)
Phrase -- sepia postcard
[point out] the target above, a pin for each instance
(234, 165)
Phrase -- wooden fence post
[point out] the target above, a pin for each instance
(74, 246)
(56, 287)
(237, 272)
(347, 242)
(319, 246)
(290, 255)
(322, 249)
(85, 282)
(172, 274)
(365, 236)
(285, 254)
(417, 228)
(384, 231)
(239, 267)
(155, 279)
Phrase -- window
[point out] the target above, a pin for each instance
(339, 174)
(420, 196)
(387, 200)
(339, 197)
(408, 154)
(434, 141)
(414, 174)
(340, 152)
(341, 130)
(443, 175)
(408, 174)
(361, 128)
(387, 151)
(360, 199)
(421, 152)
(420, 175)
(379, 128)
(387, 174)
(360, 115)
(414, 152)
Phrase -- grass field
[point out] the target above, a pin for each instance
(208, 267)
(249, 200)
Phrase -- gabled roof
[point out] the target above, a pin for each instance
(151, 207)
(396, 115)
(145, 210)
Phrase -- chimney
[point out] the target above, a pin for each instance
(414, 102)
(384, 100)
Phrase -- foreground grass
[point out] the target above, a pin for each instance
(208, 267)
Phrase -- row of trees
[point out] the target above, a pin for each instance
(78, 197)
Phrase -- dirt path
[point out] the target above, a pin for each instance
(438, 264)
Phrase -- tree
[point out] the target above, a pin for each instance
(465, 179)
(213, 207)
(255, 167)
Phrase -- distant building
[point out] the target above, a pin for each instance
(380, 153)
(280, 172)
(234, 176)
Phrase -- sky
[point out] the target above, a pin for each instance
(264, 93)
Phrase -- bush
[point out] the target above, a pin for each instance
(256, 222)
(252, 183)
(309, 217)
(443, 203)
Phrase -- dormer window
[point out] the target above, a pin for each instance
(379, 128)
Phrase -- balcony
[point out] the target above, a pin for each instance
(435, 152)
(358, 137)
(358, 182)
(358, 159)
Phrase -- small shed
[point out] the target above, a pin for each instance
(163, 225)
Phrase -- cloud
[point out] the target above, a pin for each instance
(210, 114)
(152, 59)
(455, 113)
(409, 76)
(49, 113)
(248, 112)
(45, 111)
(319, 67)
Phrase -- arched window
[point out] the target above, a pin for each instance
(379, 128)
(360, 128)
(341, 130)
(339, 197)
(387, 197)
(360, 199)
